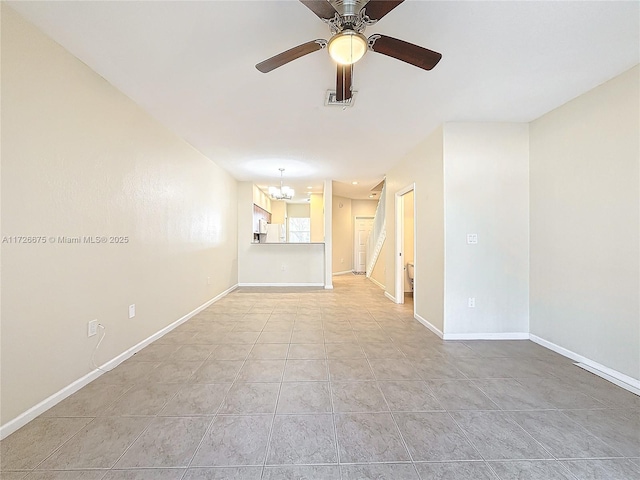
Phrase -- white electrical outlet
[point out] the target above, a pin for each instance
(208, 280)
(472, 238)
(283, 268)
(92, 328)
(132, 310)
(472, 302)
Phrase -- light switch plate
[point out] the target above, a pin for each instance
(132, 310)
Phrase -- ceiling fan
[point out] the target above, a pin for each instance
(347, 20)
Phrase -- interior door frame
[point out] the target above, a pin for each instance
(355, 240)
(399, 253)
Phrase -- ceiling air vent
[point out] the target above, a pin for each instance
(330, 100)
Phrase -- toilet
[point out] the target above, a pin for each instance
(410, 273)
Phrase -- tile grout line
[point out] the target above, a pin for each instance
(275, 409)
(589, 432)
(333, 416)
(396, 337)
(466, 436)
(216, 414)
(390, 413)
(404, 442)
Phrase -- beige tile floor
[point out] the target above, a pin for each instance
(343, 384)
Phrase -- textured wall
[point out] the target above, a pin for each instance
(81, 159)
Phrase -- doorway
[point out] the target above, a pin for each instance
(405, 243)
(361, 232)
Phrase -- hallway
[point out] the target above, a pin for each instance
(331, 384)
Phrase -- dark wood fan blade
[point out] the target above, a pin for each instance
(376, 9)
(322, 8)
(343, 84)
(407, 52)
(290, 55)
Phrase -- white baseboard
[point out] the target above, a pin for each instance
(328, 287)
(25, 417)
(631, 384)
(346, 272)
(390, 297)
(487, 336)
(281, 284)
(429, 325)
(377, 283)
(618, 378)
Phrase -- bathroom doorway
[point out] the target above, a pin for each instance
(405, 277)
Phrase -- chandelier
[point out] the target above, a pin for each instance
(283, 192)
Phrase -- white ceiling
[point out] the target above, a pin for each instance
(191, 66)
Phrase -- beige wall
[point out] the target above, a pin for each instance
(278, 211)
(342, 226)
(479, 171)
(424, 167)
(585, 227)
(363, 208)
(487, 193)
(79, 158)
(299, 210)
(316, 212)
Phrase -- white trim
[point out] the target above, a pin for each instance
(25, 417)
(620, 379)
(429, 325)
(399, 238)
(284, 285)
(327, 204)
(398, 263)
(416, 222)
(376, 282)
(342, 273)
(626, 385)
(390, 297)
(487, 336)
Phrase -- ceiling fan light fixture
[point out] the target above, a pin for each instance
(347, 47)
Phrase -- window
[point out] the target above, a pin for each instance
(299, 230)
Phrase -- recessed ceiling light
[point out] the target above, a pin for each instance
(354, 183)
(371, 196)
(309, 188)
